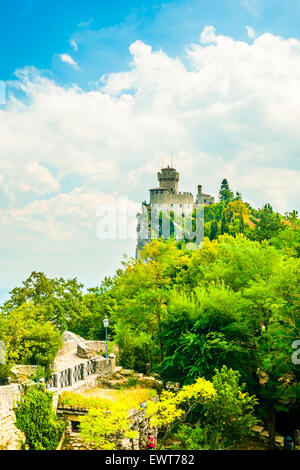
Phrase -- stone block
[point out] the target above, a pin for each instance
(20, 373)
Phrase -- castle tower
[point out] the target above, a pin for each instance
(168, 179)
(167, 198)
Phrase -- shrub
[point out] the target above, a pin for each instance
(230, 412)
(190, 438)
(36, 419)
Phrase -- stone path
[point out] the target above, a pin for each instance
(67, 360)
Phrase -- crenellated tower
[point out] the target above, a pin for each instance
(167, 198)
(168, 179)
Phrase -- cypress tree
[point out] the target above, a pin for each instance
(225, 193)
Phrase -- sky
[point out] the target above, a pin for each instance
(95, 96)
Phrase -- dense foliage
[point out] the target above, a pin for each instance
(206, 415)
(98, 428)
(28, 337)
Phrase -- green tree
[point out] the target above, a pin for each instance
(201, 332)
(231, 410)
(225, 193)
(173, 408)
(268, 224)
(224, 225)
(287, 241)
(28, 337)
(61, 300)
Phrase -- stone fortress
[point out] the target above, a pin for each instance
(167, 193)
(167, 197)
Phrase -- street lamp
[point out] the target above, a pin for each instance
(106, 323)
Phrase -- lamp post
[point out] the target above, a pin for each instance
(106, 323)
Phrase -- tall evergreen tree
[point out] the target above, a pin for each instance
(225, 193)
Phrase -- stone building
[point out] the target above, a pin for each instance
(167, 192)
(166, 197)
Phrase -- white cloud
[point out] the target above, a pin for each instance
(65, 217)
(68, 60)
(231, 96)
(250, 32)
(74, 44)
(208, 35)
(30, 177)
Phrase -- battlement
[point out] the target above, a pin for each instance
(163, 196)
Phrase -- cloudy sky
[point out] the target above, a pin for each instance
(98, 96)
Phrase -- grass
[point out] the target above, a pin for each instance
(106, 399)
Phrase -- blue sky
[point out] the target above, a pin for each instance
(35, 32)
(99, 95)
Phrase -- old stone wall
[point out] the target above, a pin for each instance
(9, 434)
(67, 347)
(165, 197)
(87, 349)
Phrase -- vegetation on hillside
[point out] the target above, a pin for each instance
(233, 303)
(206, 414)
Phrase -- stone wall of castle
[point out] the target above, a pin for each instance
(158, 196)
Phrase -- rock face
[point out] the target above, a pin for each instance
(83, 351)
(88, 349)
(69, 336)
